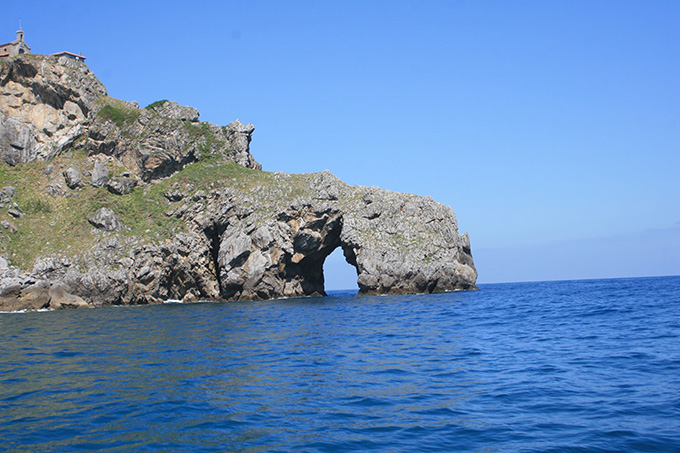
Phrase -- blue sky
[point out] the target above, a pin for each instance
(552, 128)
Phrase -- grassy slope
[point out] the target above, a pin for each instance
(59, 224)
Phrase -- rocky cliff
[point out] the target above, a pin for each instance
(104, 202)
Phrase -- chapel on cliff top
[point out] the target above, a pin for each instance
(19, 47)
(16, 47)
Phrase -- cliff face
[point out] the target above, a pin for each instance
(160, 140)
(122, 205)
(44, 104)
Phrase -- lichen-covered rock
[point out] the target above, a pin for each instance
(100, 174)
(72, 177)
(105, 219)
(175, 111)
(121, 185)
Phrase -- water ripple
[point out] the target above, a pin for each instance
(547, 366)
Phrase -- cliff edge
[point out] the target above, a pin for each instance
(103, 202)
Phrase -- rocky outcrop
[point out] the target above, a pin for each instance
(214, 227)
(38, 296)
(266, 242)
(398, 243)
(175, 111)
(48, 105)
(100, 174)
(153, 146)
(44, 104)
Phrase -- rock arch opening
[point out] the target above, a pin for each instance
(339, 273)
(317, 238)
(281, 257)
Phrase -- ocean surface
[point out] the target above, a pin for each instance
(589, 365)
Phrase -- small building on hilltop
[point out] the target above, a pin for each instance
(69, 55)
(16, 47)
(19, 47)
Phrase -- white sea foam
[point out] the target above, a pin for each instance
(27, 311)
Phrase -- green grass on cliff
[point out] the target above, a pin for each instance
(58, 224)
(123, 116)
(153, 105)
(204, 134)
(120, 114)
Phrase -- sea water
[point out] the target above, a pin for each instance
(551, 366)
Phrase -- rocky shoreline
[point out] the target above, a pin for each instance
(108, 203)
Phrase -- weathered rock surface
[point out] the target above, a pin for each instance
(38, 296)
(50, 105)
(72, 177)
(121, 185)
(266, 242)
(152, 146)
(105, 219)
(252, 235)
(175, 111)
(412, 245)
(44, 104)
(100, 174)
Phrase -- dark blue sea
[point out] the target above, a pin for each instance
(589, 365)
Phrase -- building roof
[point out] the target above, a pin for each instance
(75, 55)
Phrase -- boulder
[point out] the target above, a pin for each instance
(7, 192)
(59, 298)
(8, 226)
(121, 185)
(100, 174)
(105, 219)
(35, 297)
(72, 177)
(173, 195)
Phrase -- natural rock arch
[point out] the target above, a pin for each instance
(339, 273)
(226, 231)
(282, 258)
(398, 243)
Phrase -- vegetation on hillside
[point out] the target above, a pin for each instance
(57, 223)
(153, 105)
(121, 115)
(54, 218)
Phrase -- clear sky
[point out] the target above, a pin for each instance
(552, 128)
